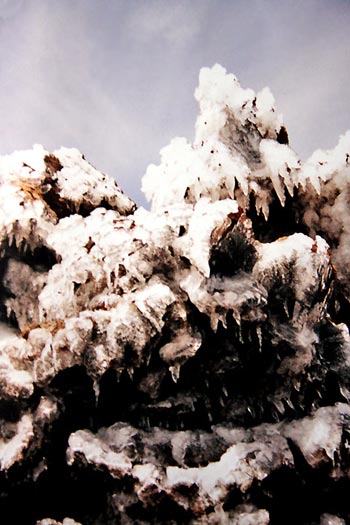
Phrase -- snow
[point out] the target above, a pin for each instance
(23, 432)
(78, 181)
(24, 165)
(11, 451)
(329, 519)
(280, 162)
(109, 261)
(309, 257)
(93, 282)
(218, 296)
(196, 243)
(319, 436)
(216, 166)
(84, 442)
(14, 380)
(49, 521)
(7, 333)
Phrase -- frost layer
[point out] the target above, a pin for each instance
(188, 364)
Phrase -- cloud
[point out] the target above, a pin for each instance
(307, 67)
(116, 79)
(9, 8)
(175, 22)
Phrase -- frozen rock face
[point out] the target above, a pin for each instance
(189, 364)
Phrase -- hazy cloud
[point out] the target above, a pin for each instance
(175, 22)
(9, 8)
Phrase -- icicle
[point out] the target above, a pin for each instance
(30, 247)
(223, 320)
(289, 403)
(278, 188)
(23, 247)
(279, 406)
(344, 392)
(274, 414)
(175, 372)
(148, 359)
(96, 388)
(240, 335)
(237, 317)
(11, 239)
(259, 334)
(18, 240)
(251, 411)
(262, 207)
(297, 385)
(315, 182)
(243, 182)
(214, 321)
(318, 393)
(290, 188)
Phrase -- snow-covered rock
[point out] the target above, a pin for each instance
(192, 361)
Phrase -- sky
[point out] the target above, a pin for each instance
(115, 78)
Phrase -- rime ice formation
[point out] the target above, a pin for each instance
(188, 364)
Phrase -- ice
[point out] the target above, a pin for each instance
(211, 332)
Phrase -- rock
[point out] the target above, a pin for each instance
(188, 364)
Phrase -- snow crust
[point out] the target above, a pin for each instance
(28, 431)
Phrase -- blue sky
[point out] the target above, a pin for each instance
(115, 78)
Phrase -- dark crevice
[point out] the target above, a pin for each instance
(40, 258)
(164, 510)
(60, 490)
(232, 254)
(339, 305)
(282, 136)
(301, 494)
(282, 220)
